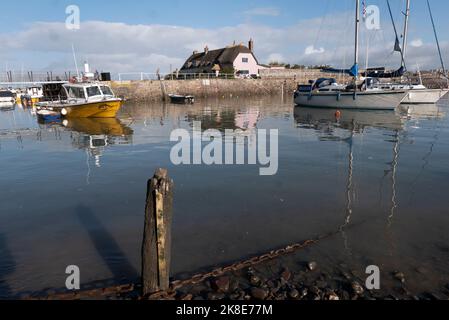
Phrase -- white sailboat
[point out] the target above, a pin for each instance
(419, 94)
(350, 97)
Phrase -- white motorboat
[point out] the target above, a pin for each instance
(7, 99)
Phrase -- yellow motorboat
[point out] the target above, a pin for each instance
(85, 100)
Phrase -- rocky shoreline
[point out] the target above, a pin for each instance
(309, 283)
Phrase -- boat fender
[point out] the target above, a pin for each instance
(355, 96)
(338, 96)
(310, 96)
(64, 111)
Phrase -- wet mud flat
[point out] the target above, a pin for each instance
(306, 275)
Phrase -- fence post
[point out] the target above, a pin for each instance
(156, 247)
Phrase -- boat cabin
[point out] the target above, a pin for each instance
(90, 92)
(35, 92)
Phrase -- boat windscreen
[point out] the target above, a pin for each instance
(6, 94)
(106, 91)
(75, 93)
(93, 91)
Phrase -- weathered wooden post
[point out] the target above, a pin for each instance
(156, 248)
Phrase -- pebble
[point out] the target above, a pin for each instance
(221, 284)
(286, 275)
(254, 280)
(357, 288)
(312, 266)
(294, 294)
(399, 276)
(314, 290)
(303, 293)
(333, 297)
(259, 294)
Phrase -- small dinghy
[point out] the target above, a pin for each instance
(181, 99)
(47, 115)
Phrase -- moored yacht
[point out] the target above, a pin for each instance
(350, 96)
(333, 95)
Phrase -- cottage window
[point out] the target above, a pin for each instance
(245, 60)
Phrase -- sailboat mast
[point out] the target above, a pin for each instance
(357, 31)
(404, 43)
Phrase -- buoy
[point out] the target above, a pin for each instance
(338, 114)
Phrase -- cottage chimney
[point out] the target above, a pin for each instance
(206, 49)
(251, 45)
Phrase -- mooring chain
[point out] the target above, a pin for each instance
(171, 293)
(200, 278)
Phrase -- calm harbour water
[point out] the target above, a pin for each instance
(75, 194)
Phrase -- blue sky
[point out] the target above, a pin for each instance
(283, 30)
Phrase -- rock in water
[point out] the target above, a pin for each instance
(312, 266)
(303, 293)
(294, 294)
(333, 297)
(357, 288)
(286, 275)
(255, 280)
(259, 294)
(399, 276)
(221, 284)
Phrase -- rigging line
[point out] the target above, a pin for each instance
(437, 40)
(396, 34)
(322, 23)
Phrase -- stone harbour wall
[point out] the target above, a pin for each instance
(277, 82)
(203, 88)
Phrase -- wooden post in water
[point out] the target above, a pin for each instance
(156, 247)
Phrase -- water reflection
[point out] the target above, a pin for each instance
(388, 168)
(327, 122)
(226, 119)
(344, 127)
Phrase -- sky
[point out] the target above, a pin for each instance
(143, 36)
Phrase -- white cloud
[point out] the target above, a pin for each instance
(312, 50)
(120, 47)
(417, 43)
(276, 57)
(266, 11)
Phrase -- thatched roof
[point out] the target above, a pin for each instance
(208, 59)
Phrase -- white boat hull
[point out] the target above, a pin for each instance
(6, 105)
(424, 96)
(373, 100)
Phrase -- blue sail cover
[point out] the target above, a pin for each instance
(354, 71)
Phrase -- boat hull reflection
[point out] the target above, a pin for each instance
(349, 119)
(98, 126)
